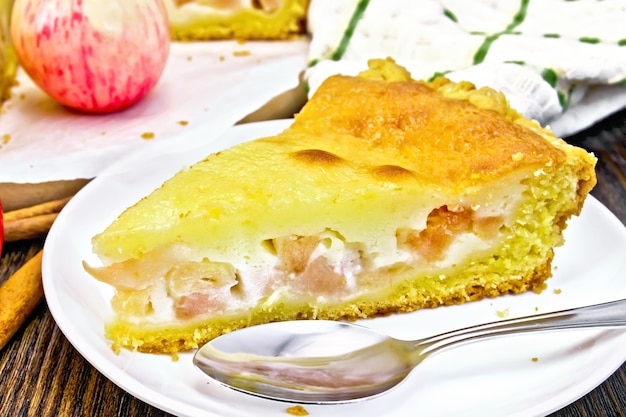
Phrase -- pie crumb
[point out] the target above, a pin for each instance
(297, 410)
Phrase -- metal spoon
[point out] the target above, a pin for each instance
(322, 362)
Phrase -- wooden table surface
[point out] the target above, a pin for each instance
(41, 374)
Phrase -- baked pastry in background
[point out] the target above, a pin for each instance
(236, 19)
(8, 59)
(385, 195)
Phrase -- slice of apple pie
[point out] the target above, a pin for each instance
(8, 59)
(385, 195)
(236, 19)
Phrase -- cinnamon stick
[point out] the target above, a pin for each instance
(29, 227)
(32, 222)
(47, 207)
(19, 295)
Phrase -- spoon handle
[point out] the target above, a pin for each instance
(610, 314)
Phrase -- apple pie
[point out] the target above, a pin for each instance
(8, 59)
(385, 195)
(236, 19)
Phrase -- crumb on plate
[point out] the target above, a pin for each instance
(297, 410)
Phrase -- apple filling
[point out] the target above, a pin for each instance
(323, 267)
(442, 227)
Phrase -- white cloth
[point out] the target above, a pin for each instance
(562, 63)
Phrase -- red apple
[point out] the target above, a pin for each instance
(96, 56)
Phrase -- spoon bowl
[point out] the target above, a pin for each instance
(328, 362)
(286, 360)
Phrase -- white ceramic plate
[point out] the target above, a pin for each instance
(493, 378)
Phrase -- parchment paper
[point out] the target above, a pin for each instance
(208, 86)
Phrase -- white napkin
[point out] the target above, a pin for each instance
(562, 63)
(205, 85)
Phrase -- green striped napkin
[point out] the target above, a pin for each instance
(562, 63)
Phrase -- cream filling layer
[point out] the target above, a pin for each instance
(256, 284)
(258, 278)
(343, 260)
